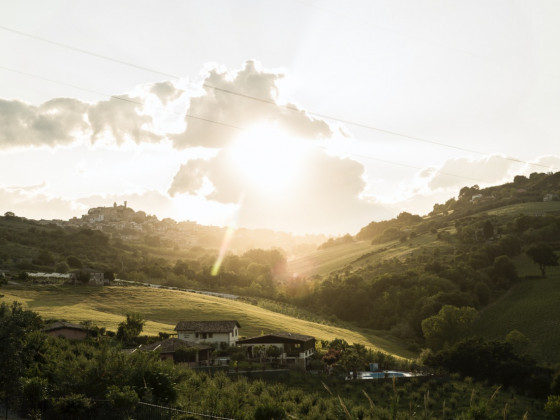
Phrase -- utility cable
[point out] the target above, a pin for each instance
(254, 98)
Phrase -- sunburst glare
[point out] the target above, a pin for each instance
(268, 159)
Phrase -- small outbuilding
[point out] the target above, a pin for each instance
(293, 348)
(66, 330)
(181, 351)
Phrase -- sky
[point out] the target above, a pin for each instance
(303, 116)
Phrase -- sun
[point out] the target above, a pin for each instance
(267, 159)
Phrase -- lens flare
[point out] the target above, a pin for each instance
(226, 242)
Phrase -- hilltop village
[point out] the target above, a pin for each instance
(121, 221)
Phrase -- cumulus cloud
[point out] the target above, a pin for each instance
(549, 163)
(190, 177)
(459, 172)
(120, 119)
(53, 123)
(34, 205)
(324, 198)
(212, 118)
(166, 91)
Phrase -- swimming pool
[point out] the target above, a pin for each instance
(382, 374)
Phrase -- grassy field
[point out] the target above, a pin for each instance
(339, 257)
(107, 307)
(530, 307)
(324, 261)
(527, 208)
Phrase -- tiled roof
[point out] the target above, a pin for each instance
(283, 336)
(172, 344)
(207, 326)
(61, 324)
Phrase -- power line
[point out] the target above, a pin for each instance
(120, 98)
(93, 54)
(250, 97)
(410, 166)
(236, 127)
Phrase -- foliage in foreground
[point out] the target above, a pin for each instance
(64, 379)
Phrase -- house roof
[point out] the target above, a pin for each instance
(58, 325)
(172, 344)
(207, 326)
(276, 337)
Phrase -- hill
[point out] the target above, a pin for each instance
(530, 307)
(468, 253)
(392, 276)
(107, 307)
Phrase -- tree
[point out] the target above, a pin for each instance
(449, 325)
(543, 255)
(488, 229)
(131, 328)
(109, 275)
(518, 341)
(273, 352)
(74, 262)
(45, 258)
(353, 359)
(552, 405)
(62, 267)
(16, 324)
(504, 268)
(124, 399)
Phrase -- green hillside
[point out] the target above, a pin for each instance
(532, 208)
(360, 253)
(531, 307)
(107, 306)
(323, 261)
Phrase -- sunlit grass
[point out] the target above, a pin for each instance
(324, 261)
(107, 307)
(355, 254)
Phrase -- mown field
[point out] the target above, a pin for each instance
(531, 307)
(107, 307)
(360, 253)
(323, 261)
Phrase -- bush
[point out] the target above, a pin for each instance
(269, 412)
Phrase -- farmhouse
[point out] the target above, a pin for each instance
(294, 348)
(67, 330)
(181, 351)
(224, 333)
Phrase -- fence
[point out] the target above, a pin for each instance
(145, 411)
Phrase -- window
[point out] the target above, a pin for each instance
(210, 335)
(297, 345)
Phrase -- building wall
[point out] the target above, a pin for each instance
(302, 354)
(228, 338)
(69, 333)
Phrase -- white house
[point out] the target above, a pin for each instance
(219, 332)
